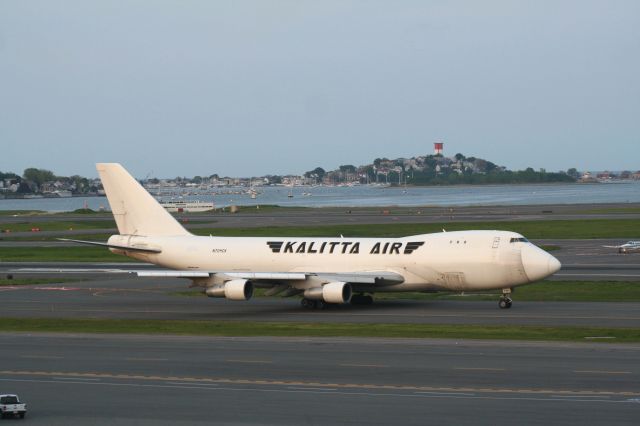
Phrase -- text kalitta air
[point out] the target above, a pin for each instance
(342, 247)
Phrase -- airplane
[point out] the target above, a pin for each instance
(322, 270)
(628, 247)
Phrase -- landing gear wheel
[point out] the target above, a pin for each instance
(313, 304)
(505, 303)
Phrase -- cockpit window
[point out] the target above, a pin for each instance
(519, 240)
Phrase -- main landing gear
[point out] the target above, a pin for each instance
(361, 299)
(505, 300)
(356, 299)
(313, 304)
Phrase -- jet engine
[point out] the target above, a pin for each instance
(232, 290)
(335, 292)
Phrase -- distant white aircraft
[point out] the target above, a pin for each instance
(321, 270)
(628, 247)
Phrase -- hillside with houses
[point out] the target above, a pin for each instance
(421, 170)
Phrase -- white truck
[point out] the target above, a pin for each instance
(10, 406)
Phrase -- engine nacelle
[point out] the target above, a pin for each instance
(336, 292)
(232, 290)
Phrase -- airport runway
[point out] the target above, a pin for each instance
(100, 380)
(150, 298)
(92, 379)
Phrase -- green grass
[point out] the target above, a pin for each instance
(102, 238)
(608, 210)
(34, 281)
(20, 212)
(59, 254)
(545, 291)
(581, 229)
(58, 226)
(561, 229)
(264, 208)
(86, 211)
(297, 329)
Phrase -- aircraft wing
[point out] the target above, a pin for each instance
(369, 277)
(365, 277)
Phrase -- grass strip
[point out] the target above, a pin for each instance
(60, 254)
(290, 329)
(28, 225)
(609, 210)
(102, 238)
(21, 212)
(544, 291)
(556, 229)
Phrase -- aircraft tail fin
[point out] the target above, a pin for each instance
(136, 212)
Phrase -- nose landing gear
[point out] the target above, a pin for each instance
(505, 300)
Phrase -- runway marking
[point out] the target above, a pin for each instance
(146, 359)
(454, 395)
(479, 368)
(202, 385)
(77, 379)
(317, 389)
(250, 361)
(363, 365)
(41, 357)
(445, 393)
(299, 383)
(572, 396)
(40, 288)
(601, 372)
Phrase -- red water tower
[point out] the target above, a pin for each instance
(437, 148)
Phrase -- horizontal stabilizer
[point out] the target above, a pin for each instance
(114, 246)
(158, 273)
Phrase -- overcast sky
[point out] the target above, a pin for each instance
(184, 88)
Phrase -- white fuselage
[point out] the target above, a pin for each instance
(455, 261)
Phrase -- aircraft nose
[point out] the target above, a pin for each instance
(537, 263)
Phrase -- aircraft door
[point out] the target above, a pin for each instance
(494, 248)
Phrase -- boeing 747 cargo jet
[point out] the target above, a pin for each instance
(321, 270)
